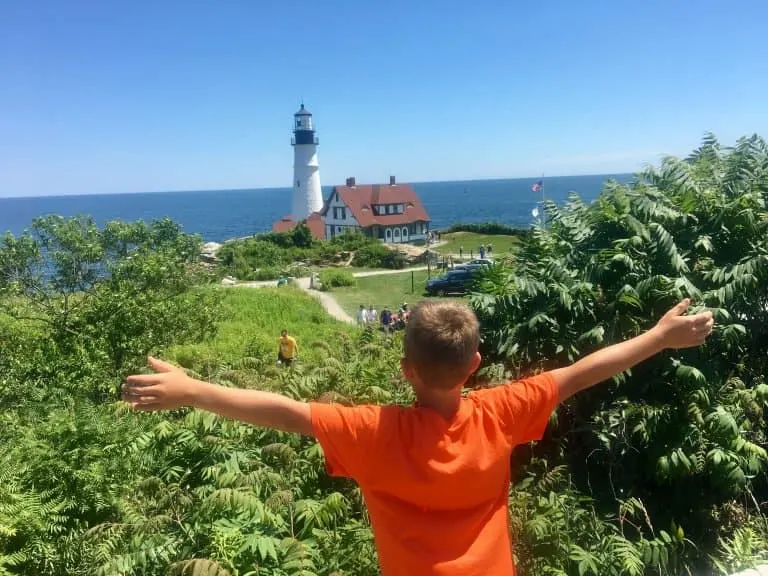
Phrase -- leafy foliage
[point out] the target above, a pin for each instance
(267, 256)
(330, 279)
(685, 432)
(660, 472)
(377, 255)
(489, 228)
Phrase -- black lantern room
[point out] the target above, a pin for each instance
(303, 128)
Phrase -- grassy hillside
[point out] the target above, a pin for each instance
(251, 325)
(389, 290)
(472, 241)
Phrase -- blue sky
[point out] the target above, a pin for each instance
(107, 96)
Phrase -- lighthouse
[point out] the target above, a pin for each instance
(307, 195)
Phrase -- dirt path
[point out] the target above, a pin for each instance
(387, 272)
(326, 299)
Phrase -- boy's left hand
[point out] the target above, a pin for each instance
(678, 331)
(167, 389)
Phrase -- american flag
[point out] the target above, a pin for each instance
(538, 186)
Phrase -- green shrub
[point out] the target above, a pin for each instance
(336, 279)
(275, 254)
(264, 274)
(489, 228)
(685, 431)
(376, 255)
(351, 241)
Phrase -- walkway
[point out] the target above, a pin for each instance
(326, 299)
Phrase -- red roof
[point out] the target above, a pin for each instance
(314, 223)
(360, 199)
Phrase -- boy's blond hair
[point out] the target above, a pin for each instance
(441, 340)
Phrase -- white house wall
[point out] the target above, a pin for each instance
(336, 226)
(399, 238)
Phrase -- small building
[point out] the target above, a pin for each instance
(392, 212)
(314, 223)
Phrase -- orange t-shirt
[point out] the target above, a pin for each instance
(437, 489)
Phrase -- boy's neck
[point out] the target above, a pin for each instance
(444, 402)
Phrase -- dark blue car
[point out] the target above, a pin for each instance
(456, 281)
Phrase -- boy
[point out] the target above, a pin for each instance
(287, 349)
(437, 487)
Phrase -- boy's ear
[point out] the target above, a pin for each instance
(476, 362)
(409, 371)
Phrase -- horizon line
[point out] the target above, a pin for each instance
(326, 186)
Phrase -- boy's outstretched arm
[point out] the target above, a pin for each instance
(171, 388)
(672, 331)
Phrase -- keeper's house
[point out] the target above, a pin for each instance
(392, 212)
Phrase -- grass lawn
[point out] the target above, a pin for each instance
(389, 290)
(251, 325)
(472, 241)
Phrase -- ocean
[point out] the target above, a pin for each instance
(218, 215)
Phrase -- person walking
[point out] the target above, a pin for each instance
(362, 316)
(386, 320)
(287, 349)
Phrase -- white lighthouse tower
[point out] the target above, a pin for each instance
(307, 194)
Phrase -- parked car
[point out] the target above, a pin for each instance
(456, 281)
(473, 264)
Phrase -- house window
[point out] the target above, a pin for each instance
(298, 183)
(343, 213)
(390, 209)
(338, 229)
(337, 196)
(399, 208)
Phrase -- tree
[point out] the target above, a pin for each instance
(115, 292)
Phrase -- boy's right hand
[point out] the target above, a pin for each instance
(168, 388)
(678, 331)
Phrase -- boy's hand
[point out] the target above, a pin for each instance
(167, 389)
(677, 331)
(672, 331)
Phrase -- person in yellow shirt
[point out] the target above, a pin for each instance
(287, 350)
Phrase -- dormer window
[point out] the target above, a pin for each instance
(399, 208)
